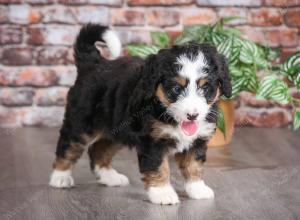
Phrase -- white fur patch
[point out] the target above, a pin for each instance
(110, 177)
(61, 179)
(113, 42)
(164, 195)
(198, 190)
(191, 68)
(205, 130)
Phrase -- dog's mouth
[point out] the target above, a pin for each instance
(189, 128)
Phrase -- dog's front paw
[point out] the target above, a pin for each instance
(198, 190)
(61, 179)
(164, 195)
(110, 177)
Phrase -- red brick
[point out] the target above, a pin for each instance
(282, 37)
(43, 116)
(31, 76)
(286, 52)
(292, 17)
(163, 18)
(282, 3)
(11, 117)
(17, 56)
(10, 1)
(94, 14)
(134, 36)
(271, 118)
(229, 3)
(55, 96)
(52, 35)
(40, 2)
(127, 17)
(55, 56)
(265, 17)
(107, 2)
(66, 75)
(34, 17)
(174, 35)
(249, 99)
(199, 16)
(16, 96)
(59, 14)
(158, 2)
(73, 2)
(231, 11)
(10, 35)
(3, 14)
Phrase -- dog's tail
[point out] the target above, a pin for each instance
(87, 40)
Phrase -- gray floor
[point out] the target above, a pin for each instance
(256, 177)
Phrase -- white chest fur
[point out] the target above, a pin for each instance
(184, 142)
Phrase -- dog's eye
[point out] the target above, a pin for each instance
(176, 90)
(205, 87)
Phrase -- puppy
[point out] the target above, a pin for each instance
(163, 105)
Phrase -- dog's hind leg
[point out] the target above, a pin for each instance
(101, 154)
(67, 154)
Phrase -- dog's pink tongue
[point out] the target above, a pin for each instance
(189, 127)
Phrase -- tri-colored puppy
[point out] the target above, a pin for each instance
(163, 105)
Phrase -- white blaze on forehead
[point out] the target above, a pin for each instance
(191, 67)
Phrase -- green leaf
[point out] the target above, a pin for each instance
(235, 54)
(142, 50)
(221, 122)
(275, 89)
(225, 47)
(296, 123)
(291, 61)
(160, 39)
(297, 81)
(249, 52)
(230, 18)
(266, 86)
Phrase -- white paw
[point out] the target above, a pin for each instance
(164, 195)
(61, 179)
(198, 190)
(110, 177)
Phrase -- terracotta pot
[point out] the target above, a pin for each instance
(219, 139)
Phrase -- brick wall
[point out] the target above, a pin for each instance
(36, 37)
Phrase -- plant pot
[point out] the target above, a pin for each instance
(219, 139)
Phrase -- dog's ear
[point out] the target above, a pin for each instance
(223, 76)
(144, 91)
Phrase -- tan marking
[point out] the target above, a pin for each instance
(201, 82)
(74, 152)
(216, 97)
(160, 177)
(162, 96)
(181, 81)
(101, 153)
(156, 132)
(191, 168)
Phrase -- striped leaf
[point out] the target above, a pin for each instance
(274, 89)
(235, 54)
(296, 123)
(217, 38)
(250, 83)
(297, 81)
(237, 86)
(248, 52)
(225, 47)
(266, 86)
(234, 71)
(142, 50)
(293, 60)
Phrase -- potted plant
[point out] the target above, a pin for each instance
(246, 59)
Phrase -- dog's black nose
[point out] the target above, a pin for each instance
(192, 117)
